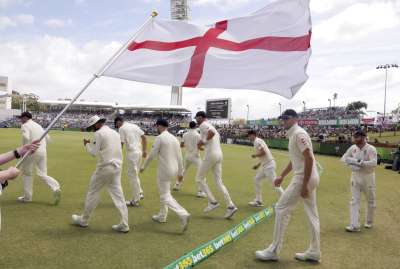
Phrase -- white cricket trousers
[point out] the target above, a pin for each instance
(284, 208)
(266, 173)
(108, 176)
(214, 164)
(133, 160)
(166, 199)
(189, 161)
(362, 183)
(39, 161)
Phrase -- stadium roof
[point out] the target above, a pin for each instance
(96, 104)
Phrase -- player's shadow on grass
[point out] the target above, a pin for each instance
(169, 228)
(33, 203)
(286, 263)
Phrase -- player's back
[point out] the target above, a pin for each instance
(110, 146)
(131, 135)
(191, 139)
(213, 146)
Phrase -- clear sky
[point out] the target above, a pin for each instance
(51, 48)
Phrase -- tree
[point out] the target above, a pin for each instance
(31, 100)
(357, 106)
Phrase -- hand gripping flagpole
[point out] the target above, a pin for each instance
(95, 76)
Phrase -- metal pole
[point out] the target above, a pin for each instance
(384, 103)
(95, 76)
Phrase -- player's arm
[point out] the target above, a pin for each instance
(19, 152)
(308, 165)
(25, 135)
(260, 153)
(348, 159)
(255, 167)
(153, 154)
(372, 159)
(209, 136)
(180, 165)
(144, 145)
(93, 148)
(8, 174)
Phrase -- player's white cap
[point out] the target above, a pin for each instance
(93, 120)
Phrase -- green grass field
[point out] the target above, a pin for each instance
(39, 235)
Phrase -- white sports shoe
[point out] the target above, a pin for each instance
(77, 220)
(230, 211)
(121, 228)
(211, 207)
(57, 196)
(352, 229)
(256, 203)
(368, 225)
(307, 257)
(177, 186)
(141, 196)
(22, 199)
(133, 203)
(185, 222)
(201, 194)
(266, 255)
(159, 219)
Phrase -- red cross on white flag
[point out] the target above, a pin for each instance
(268, 50)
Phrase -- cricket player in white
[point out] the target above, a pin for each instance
(107, 148)
(266, 168)
(190, 140)
(303, 186)
(32, 131)
(212, 161)
(170, 166)
(362, 158)
(136, 148)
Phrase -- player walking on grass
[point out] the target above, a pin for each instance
(136, 148)
(32, 131)
(190, 140)
(107, 148)
(303, 186)
(212, 161)
(266, 168)
(170, 166)
(362, 158)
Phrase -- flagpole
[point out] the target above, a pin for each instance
(94, 77)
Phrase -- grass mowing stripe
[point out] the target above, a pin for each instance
(203, 252)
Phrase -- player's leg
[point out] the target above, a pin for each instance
(231, 208)
(354, 204)
(283, 209)
(163, 190)
(313, 253)
(187, 164)
(370, 194)
(133, 160)
(168, 201)
(200, 193)
(117, 195)
(204, 167)
(97, 182)
(260, 176)
(27, 175)
(41, 166)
